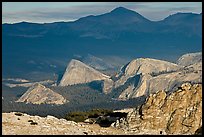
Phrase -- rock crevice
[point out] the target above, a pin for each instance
(177, 113)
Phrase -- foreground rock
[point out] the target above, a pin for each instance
(16, 123)
(180, 112)
(39, 94)
(177, 113)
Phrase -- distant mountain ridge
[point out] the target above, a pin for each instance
(96, 62)
(120, 32)
(159, 75)
(118, 16)
(140, 77)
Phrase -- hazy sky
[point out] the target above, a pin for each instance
(42, 12)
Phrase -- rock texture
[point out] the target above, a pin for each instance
(173, 80)
(16, 123)
(135, 90)
(144, 66)
(126, 93)
(78, 72)
(22, 125)
(153, 75)
(177, 113)
(159, 75)
(189, 59)
(107, 86)
(39, 94)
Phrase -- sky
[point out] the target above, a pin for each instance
(45, 12)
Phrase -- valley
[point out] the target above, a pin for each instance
(113, 73)
(129, 87)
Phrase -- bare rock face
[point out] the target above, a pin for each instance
(160, 75)
(171, 81)
(126, 93)
(39, 94)
(78, 72)
(190, 58)
(144, 66)
(177, 113)
(143, 87)
(107, 86)
(148, 65)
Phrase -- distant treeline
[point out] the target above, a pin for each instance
(61, 110)
(82, 97)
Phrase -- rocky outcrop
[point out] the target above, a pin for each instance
(16, 123)
(144, 66)
(153, 75)
(190, 58)
(78, 72)
(159, 75)
(172, 81)
(142, 88)
(177, 113)
(195, 67)
(35, 125)
(126, 93)
(107, 86)
(39, 94)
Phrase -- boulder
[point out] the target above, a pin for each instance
(177, 113)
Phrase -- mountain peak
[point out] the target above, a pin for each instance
(77, 72)
(120, 10)
(39, 94)
(140, 65)
(127, 15)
